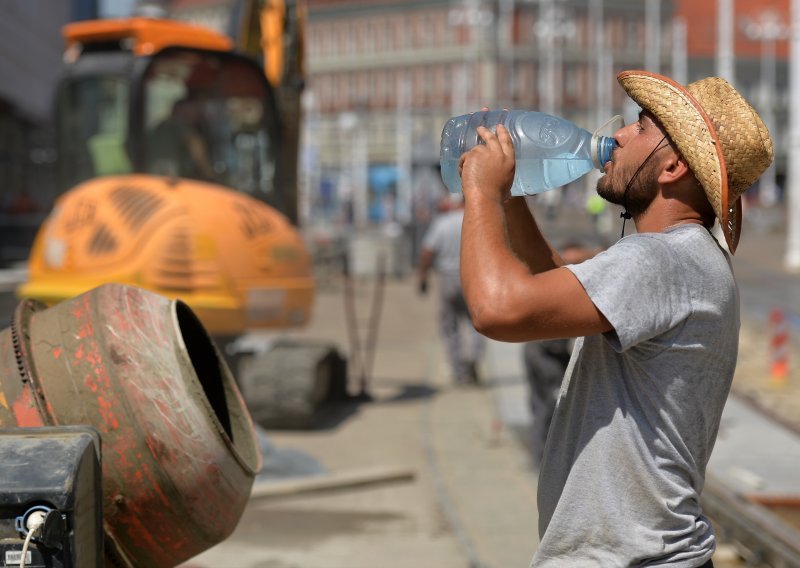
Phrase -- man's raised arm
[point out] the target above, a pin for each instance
(509, 272)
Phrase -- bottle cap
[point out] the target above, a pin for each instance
(602, 149)
(603, 146)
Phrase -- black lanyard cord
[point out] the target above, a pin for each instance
(625, 215)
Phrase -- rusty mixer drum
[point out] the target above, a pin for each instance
(179, 450)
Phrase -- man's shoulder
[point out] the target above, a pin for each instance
(688, 240)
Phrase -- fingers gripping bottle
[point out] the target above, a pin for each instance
(549, 151)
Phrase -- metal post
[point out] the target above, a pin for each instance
(725, 49)
(603, 67)
(679, 58)
(361, 171)
(725, 66)
(471, 15)
(792, 258)
(768, 192)
(653, 36)
(460, 102)
(488, 52)
(310, 174)
(767, 29)
(404, 126)
(353, 176)
(545, 33)
(505, 28)
(602, 76)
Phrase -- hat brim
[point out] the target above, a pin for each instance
(692, 131)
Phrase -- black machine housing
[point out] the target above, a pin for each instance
(55, 470)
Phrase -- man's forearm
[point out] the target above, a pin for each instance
(525, 238)
(488, 263)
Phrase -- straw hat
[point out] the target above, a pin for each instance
(724, 141)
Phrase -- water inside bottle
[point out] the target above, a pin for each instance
(537, 175)
(532, 176)
(450, 175)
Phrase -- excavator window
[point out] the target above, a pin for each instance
(181, 112)
(94, 127)
(206, 116)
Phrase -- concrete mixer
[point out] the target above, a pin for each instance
(179, 453)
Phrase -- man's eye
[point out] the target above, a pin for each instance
(639, 127)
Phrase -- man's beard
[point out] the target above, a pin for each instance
(640, 193)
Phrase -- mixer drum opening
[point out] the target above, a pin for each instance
(206, 361)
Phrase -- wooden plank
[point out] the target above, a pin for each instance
(348, 479)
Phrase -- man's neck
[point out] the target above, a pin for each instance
(664, 214)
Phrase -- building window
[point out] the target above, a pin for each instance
(320, 32)
(361, 32)
(352, 89)
(427, 31)
(440, 82)
(617, 32)
(350, 38)
(386, 30)
(362, 94)
(427, 82)
(341, 40)
(584, 36)
(400, 33)
(325, 90)
(571, 82)
(423, 31)
(442, 33)
(343, 90)
(527, 22)
(379, 88)
(634, 33)
(524, 83)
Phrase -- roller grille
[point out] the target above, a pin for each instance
(135, 204)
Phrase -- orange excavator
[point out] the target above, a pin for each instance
(178, 154)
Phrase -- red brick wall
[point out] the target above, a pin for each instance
(701, 19)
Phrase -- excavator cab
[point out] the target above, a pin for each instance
(183, 113)
(170, 159)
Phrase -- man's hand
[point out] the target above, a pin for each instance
(488, 168)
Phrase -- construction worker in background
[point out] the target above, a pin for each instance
(440, 250)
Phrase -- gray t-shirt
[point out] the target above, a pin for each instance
(640, 406)
(444, 239)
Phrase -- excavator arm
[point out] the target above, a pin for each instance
(273, 33)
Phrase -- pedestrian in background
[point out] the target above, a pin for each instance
(656, 316)
(545, 362)
(440, 251)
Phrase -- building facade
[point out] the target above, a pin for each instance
(384, 76)
(760, 70)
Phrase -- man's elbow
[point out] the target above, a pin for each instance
(495, 321)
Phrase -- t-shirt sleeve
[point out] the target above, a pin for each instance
(638, 285)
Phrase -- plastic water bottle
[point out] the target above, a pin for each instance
(550, 151)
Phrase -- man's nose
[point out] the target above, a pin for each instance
(621, 136)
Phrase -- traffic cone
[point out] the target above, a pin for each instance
(779, 347)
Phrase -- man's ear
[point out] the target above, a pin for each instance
(673, 168)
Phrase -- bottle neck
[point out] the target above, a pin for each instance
(602, 150)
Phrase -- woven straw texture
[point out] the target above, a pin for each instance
(721, 136)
